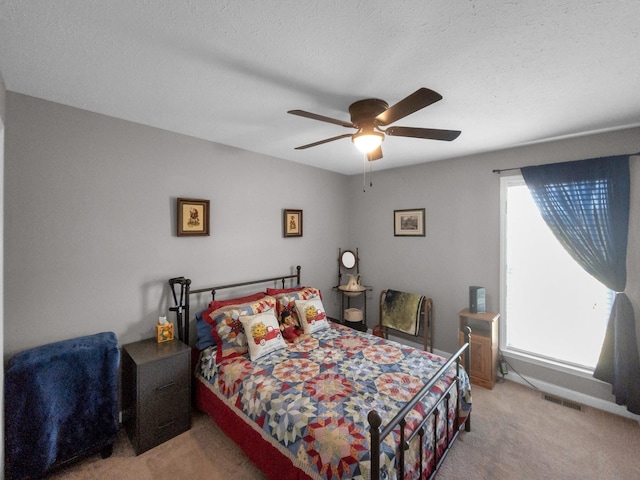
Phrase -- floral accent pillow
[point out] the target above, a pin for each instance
(263, 334)
(287, 301)
(227, 329)
(205, 335)
(312, 314)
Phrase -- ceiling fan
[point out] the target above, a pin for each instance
(369, 115)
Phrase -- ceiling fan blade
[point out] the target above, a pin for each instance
(419, 99)
(326, 140)
(375, 154)
(428, 133)
(322, 118)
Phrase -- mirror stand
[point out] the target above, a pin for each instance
(347, 260)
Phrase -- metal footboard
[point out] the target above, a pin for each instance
(378, 435)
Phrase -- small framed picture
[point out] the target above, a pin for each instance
(408, 223)
(193, 217)
(292, 221)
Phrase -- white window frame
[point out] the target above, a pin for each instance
(505, 183)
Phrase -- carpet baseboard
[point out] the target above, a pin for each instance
(578, 397)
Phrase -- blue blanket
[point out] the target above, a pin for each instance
(61, 401)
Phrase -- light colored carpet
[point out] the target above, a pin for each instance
(514, 435)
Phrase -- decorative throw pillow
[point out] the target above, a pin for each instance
(227, 329)
(205, 335)
(286, 301)
(278, 291)
(216, 304)
(312, 314)
(263, 334)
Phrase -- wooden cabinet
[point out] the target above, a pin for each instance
(483, 358)
(156, 391)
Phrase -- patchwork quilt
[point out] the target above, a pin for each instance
(310, 401)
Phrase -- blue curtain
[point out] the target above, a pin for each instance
(586, 206)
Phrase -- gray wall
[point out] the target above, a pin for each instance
(3, 100)
(3, 97)
(90, 220)
(462, 244)
(90, 225)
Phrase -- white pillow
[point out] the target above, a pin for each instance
(263, 334)
(312, 315)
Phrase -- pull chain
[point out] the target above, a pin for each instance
(364, 172)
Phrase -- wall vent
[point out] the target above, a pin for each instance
(563, 402)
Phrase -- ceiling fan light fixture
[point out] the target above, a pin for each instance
(367, 140)
(372, 117)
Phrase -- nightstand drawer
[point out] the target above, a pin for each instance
(165, 377)
(164, 419)
(162, 407)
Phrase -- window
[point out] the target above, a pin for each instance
(552, 309)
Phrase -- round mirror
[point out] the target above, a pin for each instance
(348, 259)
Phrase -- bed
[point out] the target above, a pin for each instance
(332, 403)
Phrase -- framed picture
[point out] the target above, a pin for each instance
(193, 217)
(408, 223)
(292, 221)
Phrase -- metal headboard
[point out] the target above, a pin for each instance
(181, 304)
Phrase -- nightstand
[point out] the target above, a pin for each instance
(156, 391)
(483, 358)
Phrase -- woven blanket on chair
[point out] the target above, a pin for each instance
(401, 311)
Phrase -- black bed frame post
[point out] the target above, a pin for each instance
(427, 324)
(177, 305)
(467, 367)
(374, 449)
(402, 446)
(181, 307)
(298, 268)
(187, 287)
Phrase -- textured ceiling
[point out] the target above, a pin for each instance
(510, 72)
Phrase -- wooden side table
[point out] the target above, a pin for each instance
(483, 358)
(156, 391)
